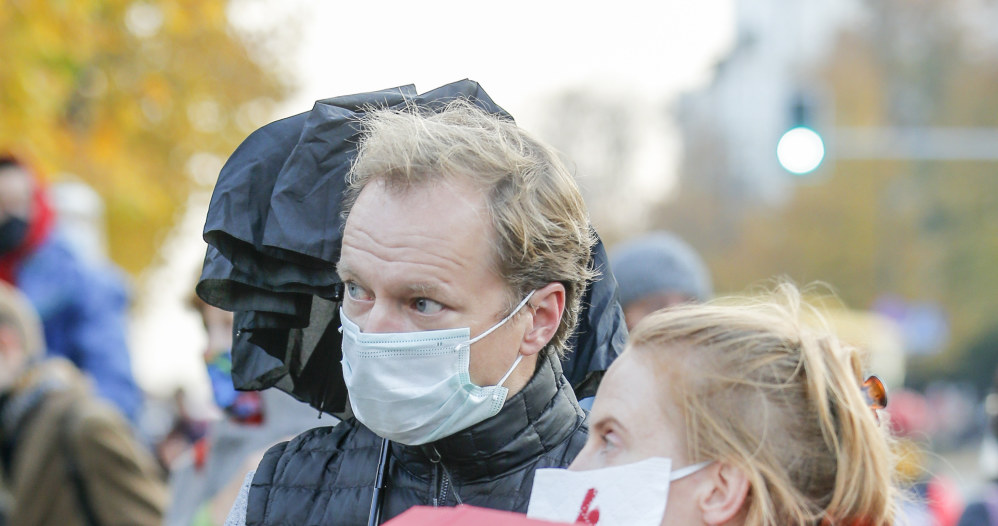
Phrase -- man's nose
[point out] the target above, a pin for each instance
(382, 318)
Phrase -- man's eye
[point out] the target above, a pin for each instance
(426, 306)
(356, 292)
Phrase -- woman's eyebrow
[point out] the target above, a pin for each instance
(607, 421)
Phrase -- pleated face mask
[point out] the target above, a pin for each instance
(415, 387)
(629, 495)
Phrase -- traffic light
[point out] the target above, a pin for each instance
(800, 149)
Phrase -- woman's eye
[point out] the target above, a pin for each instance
(610, 440)
(426, 306)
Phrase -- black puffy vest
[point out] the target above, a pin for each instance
(326, 475)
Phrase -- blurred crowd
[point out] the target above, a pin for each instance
(69, 395)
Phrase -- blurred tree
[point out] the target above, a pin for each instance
(921, 230)
(141, 99)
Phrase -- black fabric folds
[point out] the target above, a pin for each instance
(274, 231)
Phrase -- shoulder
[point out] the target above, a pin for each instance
(296, 480)
(55, 262)
(55, 279)
(317, 454)
(90, 414)
(93, 425)
(113, 464)
(50, 276)
(330, 442)
(51, 257)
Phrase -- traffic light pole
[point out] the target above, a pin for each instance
(931, 143)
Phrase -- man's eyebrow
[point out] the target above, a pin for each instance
(423, 288)
(343, 269)
(419, 288)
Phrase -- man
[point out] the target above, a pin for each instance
(465, 253)
(655, 271)
(83, 307)
(66, 456)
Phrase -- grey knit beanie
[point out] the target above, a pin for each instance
(659, 262)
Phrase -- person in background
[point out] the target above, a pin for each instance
(183, 431)
(206, 478)
(937, 500)
(655, 271)
(83, 307)
(67, 457)
(766, 421)
(983, 510)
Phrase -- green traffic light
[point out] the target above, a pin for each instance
(800, 150)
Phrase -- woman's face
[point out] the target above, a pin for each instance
(634, 418)
(631, 418)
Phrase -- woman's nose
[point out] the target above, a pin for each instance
(583, 461)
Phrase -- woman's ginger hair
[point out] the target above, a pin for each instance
(764, 386)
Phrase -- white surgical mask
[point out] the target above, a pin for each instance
(415, 387)
(629, 495)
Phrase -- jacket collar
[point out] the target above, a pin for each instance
(533, 421)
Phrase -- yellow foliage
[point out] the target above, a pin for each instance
(101, 89)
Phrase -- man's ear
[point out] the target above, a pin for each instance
(724, 498)
(545, 309)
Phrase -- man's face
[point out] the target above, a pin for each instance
(422, 260)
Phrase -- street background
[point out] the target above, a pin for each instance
(670, 115)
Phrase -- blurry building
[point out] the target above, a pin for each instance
(731, 127)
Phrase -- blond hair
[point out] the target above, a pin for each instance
(541, 228)
(780, 400)
(17, 313)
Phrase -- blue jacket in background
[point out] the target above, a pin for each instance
(84, 311)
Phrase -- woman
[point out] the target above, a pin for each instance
(769, 417)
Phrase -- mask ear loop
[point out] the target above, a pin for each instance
(500, 324)
(510, 371)
(496, 326)
(688, 470)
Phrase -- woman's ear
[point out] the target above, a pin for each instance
(726, 496)
(545, 309)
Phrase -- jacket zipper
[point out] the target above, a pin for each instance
(437, 483)
(441, 482)
(445, 485)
